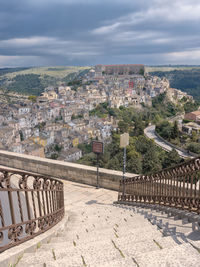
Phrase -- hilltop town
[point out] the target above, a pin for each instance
(55, 123)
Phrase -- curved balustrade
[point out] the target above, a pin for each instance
(177, 187)
(30, 204)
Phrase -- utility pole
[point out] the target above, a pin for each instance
(124, 142)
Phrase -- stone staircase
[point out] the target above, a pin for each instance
(100, 234)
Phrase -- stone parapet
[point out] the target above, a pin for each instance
(108, 179)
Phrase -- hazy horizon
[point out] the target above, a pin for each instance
(156, 65)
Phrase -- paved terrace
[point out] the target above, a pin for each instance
(100, 234)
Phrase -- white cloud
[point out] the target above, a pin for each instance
(45, 48)
(31, 42)
(129, 37)
(107, 29)
(85, 2)
(173, 11)
(19, 61)
(70, 52)
(159, 11)
(188, 56)
(149, 30)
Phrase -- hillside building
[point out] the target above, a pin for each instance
(122, 69)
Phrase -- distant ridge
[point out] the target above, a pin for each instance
(33, 80)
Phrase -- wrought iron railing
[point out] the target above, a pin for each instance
(30, 204)
(177, 187)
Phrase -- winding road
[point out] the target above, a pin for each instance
(150, 133)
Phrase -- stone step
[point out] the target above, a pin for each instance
(76, 245)
(160, 213)
(99, 234)
(171, 225)
(97, 254)
(125, 262)
(123, 242)
(164, 216)
(159, 241)
(91, 256)
(82, 246)
(183, 255)
(95, 212)
(110, 232)
(95, 229)
(65, 263)
(172, 212)
(108, 221)
(48, 260)
(193, 236)
(195, 243)
(103, 225)
(180, 216)
(136, 235)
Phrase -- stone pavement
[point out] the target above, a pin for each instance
(101, 234)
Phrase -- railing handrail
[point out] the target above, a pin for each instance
(34, 203)
(16, 171)
(177, 186)
(165, 169)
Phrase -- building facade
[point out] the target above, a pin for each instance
(122, 69)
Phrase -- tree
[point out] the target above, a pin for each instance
(164, 129)
(141, 72)
(157, 118)
(143, 144)
(21, 135)
(139, 128)
(190, 106)
(27, 84)
(194, 147)
(172, 158)
(134, 162)
(114, 164)
(175, 131)
(122, 108)
(88, 159)
(54, 156)
(194, 136)
(166, 133)
(32, 98)
(123, 126)
(57, 147)
(151, 162)
(85, 148)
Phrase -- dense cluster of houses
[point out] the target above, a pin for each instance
(60, 119)
(35, 128)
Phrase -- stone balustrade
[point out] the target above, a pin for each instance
(108, 179)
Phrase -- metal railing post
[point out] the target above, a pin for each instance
(31, 208)
(178, 186)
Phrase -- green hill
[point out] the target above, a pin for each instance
(32, 81)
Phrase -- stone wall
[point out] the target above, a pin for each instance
(64, 170)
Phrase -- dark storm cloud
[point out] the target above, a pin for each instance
(87, 32)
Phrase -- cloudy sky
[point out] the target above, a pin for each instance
(88, 32)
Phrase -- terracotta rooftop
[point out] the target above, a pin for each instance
(197, 112)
